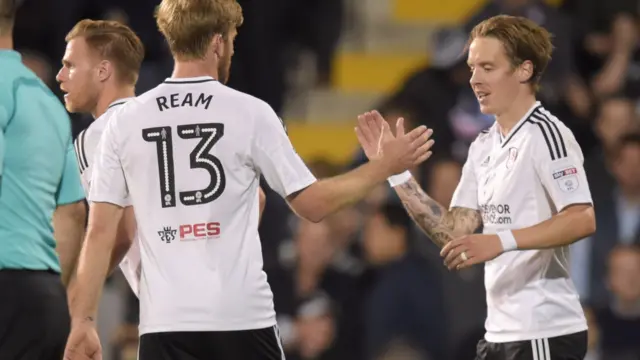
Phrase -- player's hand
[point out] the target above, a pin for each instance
(371, 133)
(83, 343)
(405, 151)
(477, 248)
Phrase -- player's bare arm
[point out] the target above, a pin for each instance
(329, 195)
(126, 234)
(573, 223)
(68, 230)
(93, 264)
(440, 224)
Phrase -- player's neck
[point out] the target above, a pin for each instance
(109, 95)
(508, 119)
(196, 68)
(6, 42)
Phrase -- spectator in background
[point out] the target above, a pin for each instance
(616, 116)
(315, 329)
(439, 96)
(606, 35)
(593, 346)
(620, 70)
(619, 322)
(271, 28)
(402, 302)
(309, 270)
(617, 220)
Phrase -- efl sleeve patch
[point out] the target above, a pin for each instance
(567, 179)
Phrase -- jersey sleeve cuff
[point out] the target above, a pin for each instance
(109, 199)
(574, 201)
(461, 204)
(300, 185)
(72, 200)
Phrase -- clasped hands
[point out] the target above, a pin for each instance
(373, 132)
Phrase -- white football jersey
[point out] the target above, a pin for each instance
(517, 182)
(86, 145)
(189, 154)
(86, 142)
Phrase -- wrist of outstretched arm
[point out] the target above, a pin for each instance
(84, 320)
(399, 179)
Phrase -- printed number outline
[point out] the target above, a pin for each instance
(199, 158)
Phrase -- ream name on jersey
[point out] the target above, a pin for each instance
(182, 100)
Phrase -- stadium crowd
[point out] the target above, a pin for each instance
(366, 283)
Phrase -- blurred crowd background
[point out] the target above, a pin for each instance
(365, 283)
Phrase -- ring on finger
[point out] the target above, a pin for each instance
(463, 256)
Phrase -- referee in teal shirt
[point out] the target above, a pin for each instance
(40, 191)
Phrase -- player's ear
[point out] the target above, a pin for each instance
(217, 44)
(525, 71)
(105, 70)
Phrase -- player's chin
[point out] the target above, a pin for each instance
(73, 107)
(68, 102)
(487, 109)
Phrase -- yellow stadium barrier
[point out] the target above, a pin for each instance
(332, 141)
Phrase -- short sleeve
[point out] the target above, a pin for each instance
(108, 183)
(466, 194)
(273, 154)
(559, 165)
(70, 189)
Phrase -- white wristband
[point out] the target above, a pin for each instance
(508, 240)
(399, 179)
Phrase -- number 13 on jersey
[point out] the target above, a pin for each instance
(199, 157)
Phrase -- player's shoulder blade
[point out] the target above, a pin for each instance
(551, 134)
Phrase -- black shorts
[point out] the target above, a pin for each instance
(34, 315)
(260, 344)
(566, 347)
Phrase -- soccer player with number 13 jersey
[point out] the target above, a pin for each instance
(189, 154)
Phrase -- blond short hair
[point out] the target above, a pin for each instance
(115, 42)
(522, 40)
(190, 25)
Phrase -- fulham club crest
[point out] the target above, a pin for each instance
(513, 155)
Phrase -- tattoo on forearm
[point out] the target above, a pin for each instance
(437, 222)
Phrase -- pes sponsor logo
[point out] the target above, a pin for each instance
(200, 231)
(167, 234)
